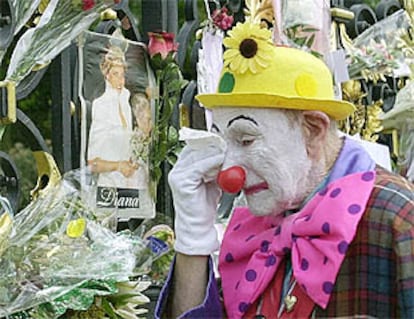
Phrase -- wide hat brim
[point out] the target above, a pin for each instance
(336, 109)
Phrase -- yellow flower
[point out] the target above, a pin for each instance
(248, 48)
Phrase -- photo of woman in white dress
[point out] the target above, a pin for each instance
(116, 82)
(109, 152)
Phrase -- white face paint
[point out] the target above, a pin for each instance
(271, 150)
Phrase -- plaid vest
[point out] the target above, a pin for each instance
(376, 278)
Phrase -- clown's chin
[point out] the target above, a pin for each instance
(263, 204)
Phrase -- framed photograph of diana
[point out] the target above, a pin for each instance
(115, 82)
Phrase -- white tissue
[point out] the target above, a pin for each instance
(199, 139)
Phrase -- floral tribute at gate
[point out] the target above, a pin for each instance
(170, 82)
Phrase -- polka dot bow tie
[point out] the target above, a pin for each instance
(317, 237)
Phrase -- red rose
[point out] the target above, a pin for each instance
(87, 4)
(162, 43)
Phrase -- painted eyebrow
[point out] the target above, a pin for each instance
(242, 117)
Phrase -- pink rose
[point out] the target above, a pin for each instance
(87, 4)
(227, 22)
(221, 19)
(162, 43)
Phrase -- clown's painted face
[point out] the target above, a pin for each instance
(271, 149)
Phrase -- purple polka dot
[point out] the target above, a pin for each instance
(342, 247)
(264, 247)
(243, 306)
(327, 287)
(326, 228)
(335, 192)
(304, 264)
(236, 227)
(270, 261)
(354, 209)
(278, 230)
(324, 191)
(368, 176)
(286, 250)
(229, 258)
(251, 275)
(325, 260)
(250, 237)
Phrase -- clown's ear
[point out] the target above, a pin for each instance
(315, 127)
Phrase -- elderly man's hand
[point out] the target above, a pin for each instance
(196, 195)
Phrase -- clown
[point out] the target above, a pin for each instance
(327, 232)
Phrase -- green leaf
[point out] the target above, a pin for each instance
(300, 41)
(310, 41)
(310, 29)
(106, 306)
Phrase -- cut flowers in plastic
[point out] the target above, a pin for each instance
(61, 22)
(381, 50)
(23, 10)
(58, 259)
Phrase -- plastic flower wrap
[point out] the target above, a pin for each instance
(56, 255)
(304, 24)
(60, 23)
(380, 48)
(401, 117)
(23, 10)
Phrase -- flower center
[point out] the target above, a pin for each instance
(248, 48)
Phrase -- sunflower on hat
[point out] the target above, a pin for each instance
(248, 48)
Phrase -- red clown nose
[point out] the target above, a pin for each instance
(231, 180)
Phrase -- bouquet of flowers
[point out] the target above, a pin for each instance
(303, 24)
(61, 22)
(374, 57)
(57, 259)
(23, 10)
(380, 50)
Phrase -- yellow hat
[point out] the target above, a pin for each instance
(258, 74)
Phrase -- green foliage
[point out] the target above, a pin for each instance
(165, 144)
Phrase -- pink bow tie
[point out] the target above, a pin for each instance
(317, 238)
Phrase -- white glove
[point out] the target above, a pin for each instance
(196, 193)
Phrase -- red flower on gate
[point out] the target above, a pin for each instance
(221, 19)
(162, 43)
(87, 4)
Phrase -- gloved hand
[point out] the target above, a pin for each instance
(196, 195)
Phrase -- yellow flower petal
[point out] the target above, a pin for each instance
(252, 66)
(244, 67)
(76, 227)
(236, 63)
(230, 53)
(231, 43)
